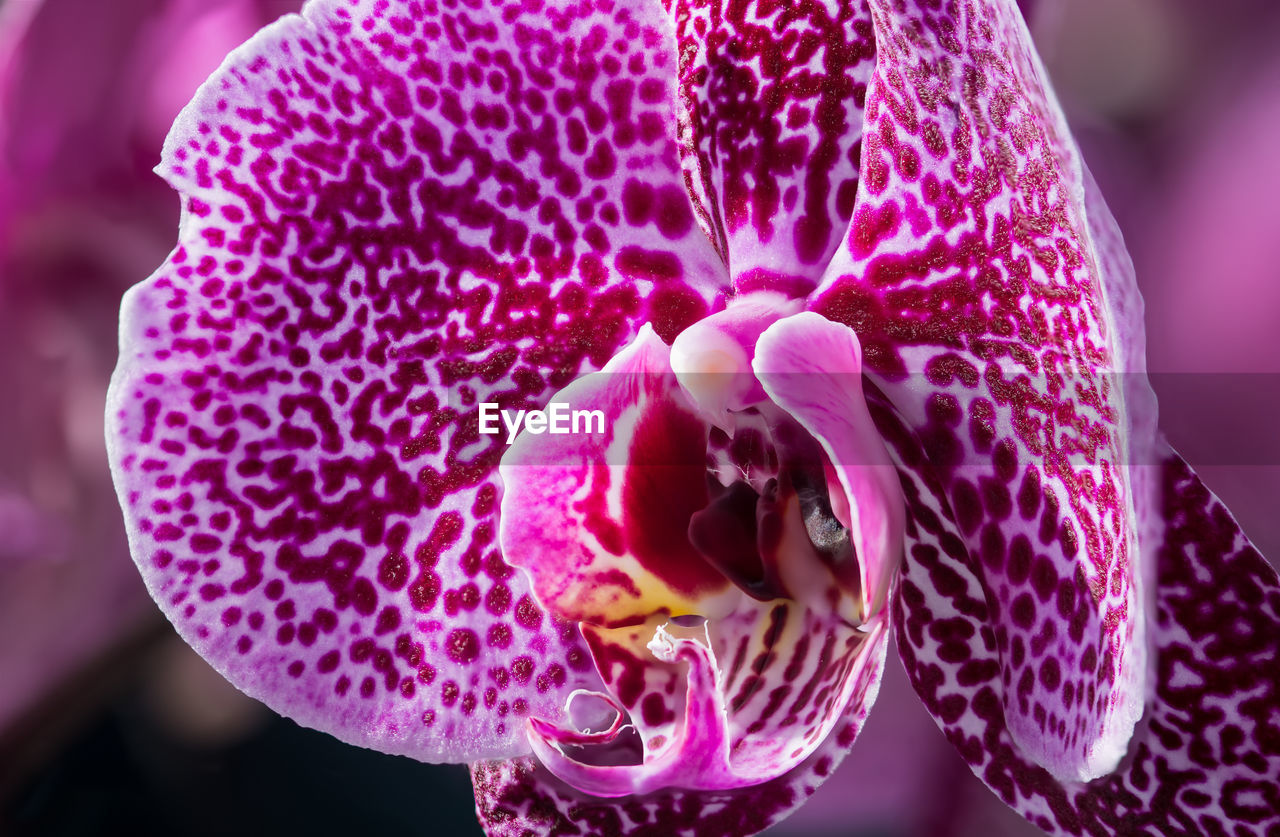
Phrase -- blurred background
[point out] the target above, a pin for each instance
(108, 724)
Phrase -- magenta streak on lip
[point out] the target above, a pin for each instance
(599, 522)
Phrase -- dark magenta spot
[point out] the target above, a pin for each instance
(637, 202)
(469, 596)
(209, 592)
(1018, 568)
(364, 597)
(664, 485)
(522, 669)
(640, 265)
(462, 645)
(424, 591)
(203, 543)
(393, 571)
(361, 650)
(328, 662)
(326, 619)
(1029, 494)
(1023, 611)
(528, 614)
(673, 215)
(498, 600)
(388, 621)
(673, 308)
(1044, 578)
(654, 709)
(1050, 674)
(499, 636)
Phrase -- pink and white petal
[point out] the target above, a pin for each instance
(812, 369)
(599, 520)
(391, 213)
(976, 291)
(520, 797)
(771, 119)
(1205, 756)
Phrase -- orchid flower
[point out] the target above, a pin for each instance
(869, 353)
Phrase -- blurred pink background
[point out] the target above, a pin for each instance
(1176, 104)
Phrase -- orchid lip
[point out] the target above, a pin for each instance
(774, 546)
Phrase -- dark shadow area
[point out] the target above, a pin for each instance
(124, 775)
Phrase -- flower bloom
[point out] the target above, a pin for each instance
(870, 356)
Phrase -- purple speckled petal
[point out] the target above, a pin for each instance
(391, 213)
(973, 285)
(519, 797)
(772, 126)
(1204, 758)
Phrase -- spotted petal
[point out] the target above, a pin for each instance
(391, 213)
(772, 97)
(1205, 756)
(970, 279)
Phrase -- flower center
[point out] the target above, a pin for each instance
(776, 516)
(712, 554)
